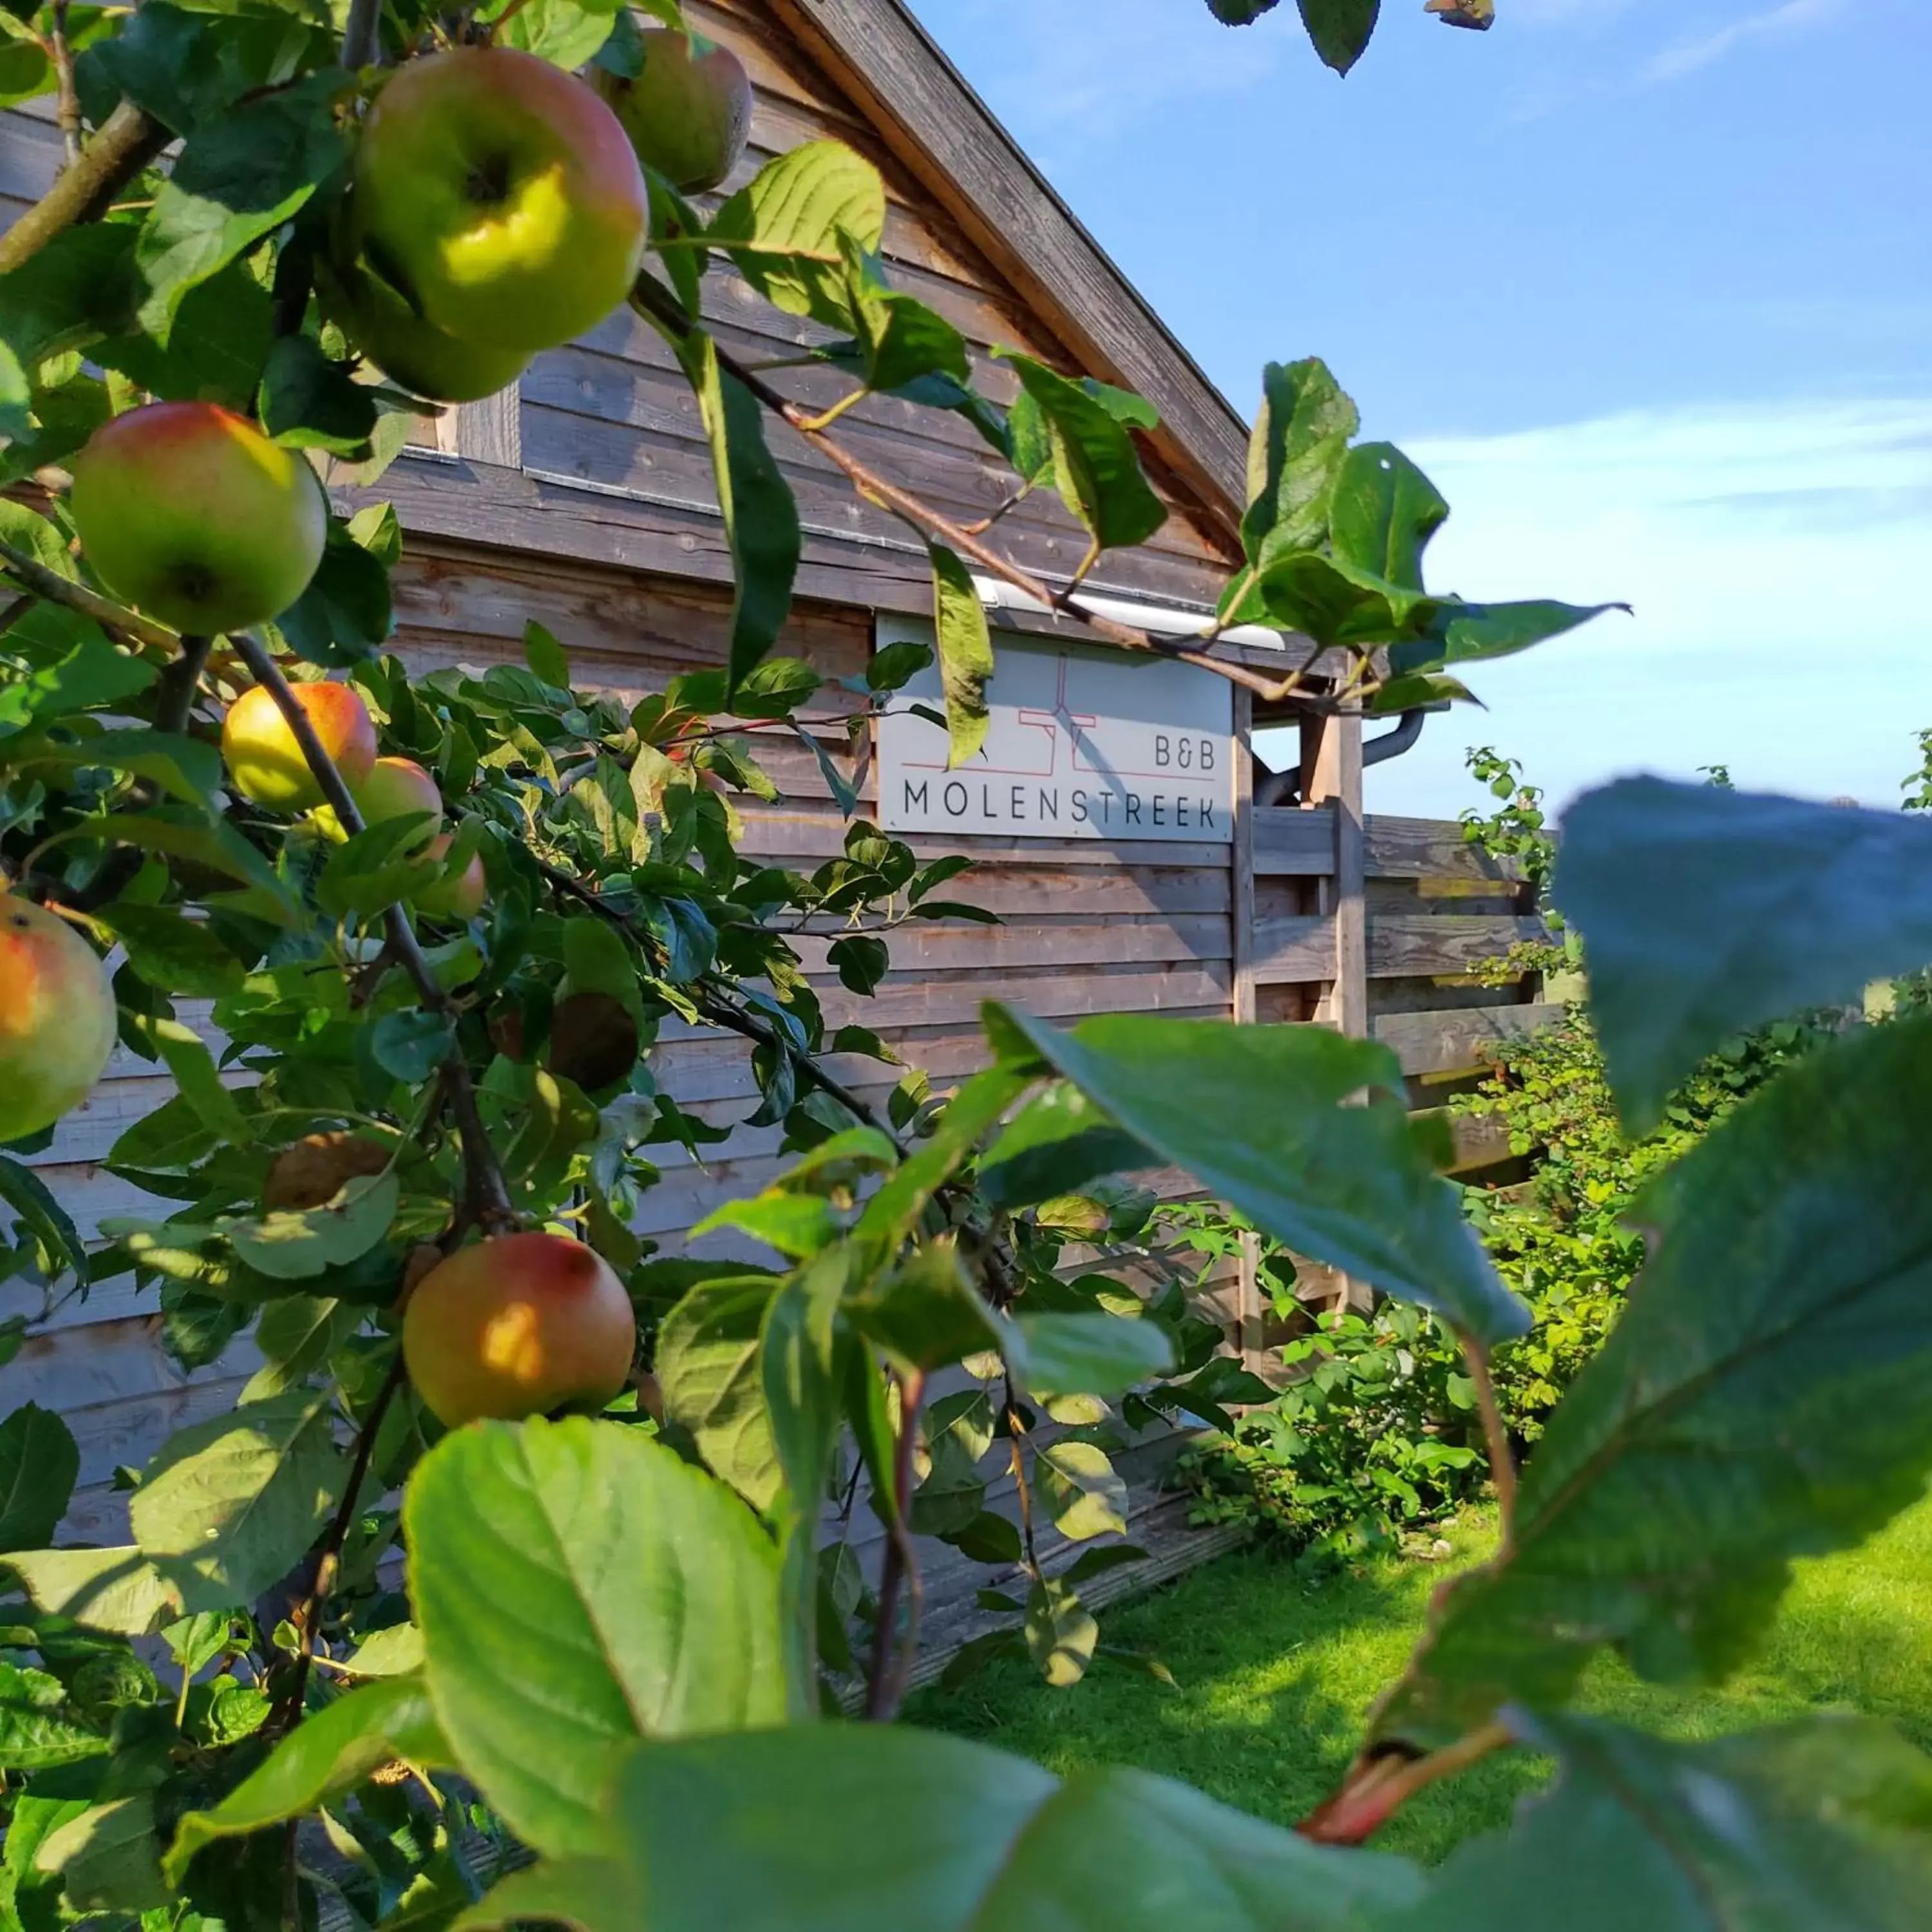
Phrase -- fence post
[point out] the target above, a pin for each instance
(1247, 1293)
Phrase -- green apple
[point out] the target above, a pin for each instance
(499, 195)
(412, 353)
(400, 788)
(689, 111)
(460, 896)
(190, 513)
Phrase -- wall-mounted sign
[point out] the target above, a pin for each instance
(1083, 744)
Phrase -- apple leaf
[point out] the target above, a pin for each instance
(760, 514)
(329, 1754)
(653, 1588)
(1095, 464)
(784, 229)
(966, 661)
(238, 179)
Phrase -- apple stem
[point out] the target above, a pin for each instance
(486, 1193)
(660, 308)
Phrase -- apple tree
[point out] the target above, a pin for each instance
(527, 1535)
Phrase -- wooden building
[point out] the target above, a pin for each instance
(584, 499)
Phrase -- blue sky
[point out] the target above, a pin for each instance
(1646, 285)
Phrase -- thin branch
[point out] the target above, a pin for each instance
(487, 1195)
(1379, 1786)
(662, 309)
(361, 41)
(1015, 1435)
(125, 142)
(328, 1558)
(56, 589)
(68, 109)
(892, 1653)
(1502, 1460)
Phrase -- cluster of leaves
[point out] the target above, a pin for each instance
(1339, 30)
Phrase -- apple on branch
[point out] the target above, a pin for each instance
(265, 764)
(500, 196)
(518, 1326)
(57, 1017)
(687, 111)
(187, 511)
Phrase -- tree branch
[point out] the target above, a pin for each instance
(125, 142)
(662, 311)
(328, 1557)
(1377, 1787)
(487, 1195)
(56, 589)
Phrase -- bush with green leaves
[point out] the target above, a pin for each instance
(334, 1630)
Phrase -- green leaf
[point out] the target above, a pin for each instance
(38, 1728)
(1825, 1822)
(899, 340)
(546, 656)
(566, 33)
(411, 1044)
(39, 1463)
(1295, 455)
(109, 1858)
(892, 667)
(194, 1072)
(237, 180)
(91, 674)
(925, 1314)
(977, 1842)
(804, 1358)
(1346, 1184)
(760, 514)
(1338, 602)
(1086, 1354)
(308, 402)
(217, 845)
(77, 288)
(182, 767)
(1460, 633)
(288, 1244)
(1060, 1632)
(708, 1368)
(173, 954)
(1339, 29)
(966, 663)
(115, 1589)
(783, 229)
(1081, 1491)
(327, 1754)
(578, 1586)
(1383, 512)
(1706, 912)
(1058, 1143)
(1760, 1399)
(39, 1214)
(346, 614)
(1097, 468)
(229, 1505)
(860, 962)
(297, 1334)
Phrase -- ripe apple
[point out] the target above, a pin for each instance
(57, 1023)
(423, 359)
(518, 1326)
(400, 788)
(500, 196)
(688, 112)
(460, 898)
(265, 764)
(188, 512)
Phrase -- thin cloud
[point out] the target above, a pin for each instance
(1688, 56)
(1775, 553)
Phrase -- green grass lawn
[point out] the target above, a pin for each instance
(1275, 1674)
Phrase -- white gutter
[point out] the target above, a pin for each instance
(1161, 621)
